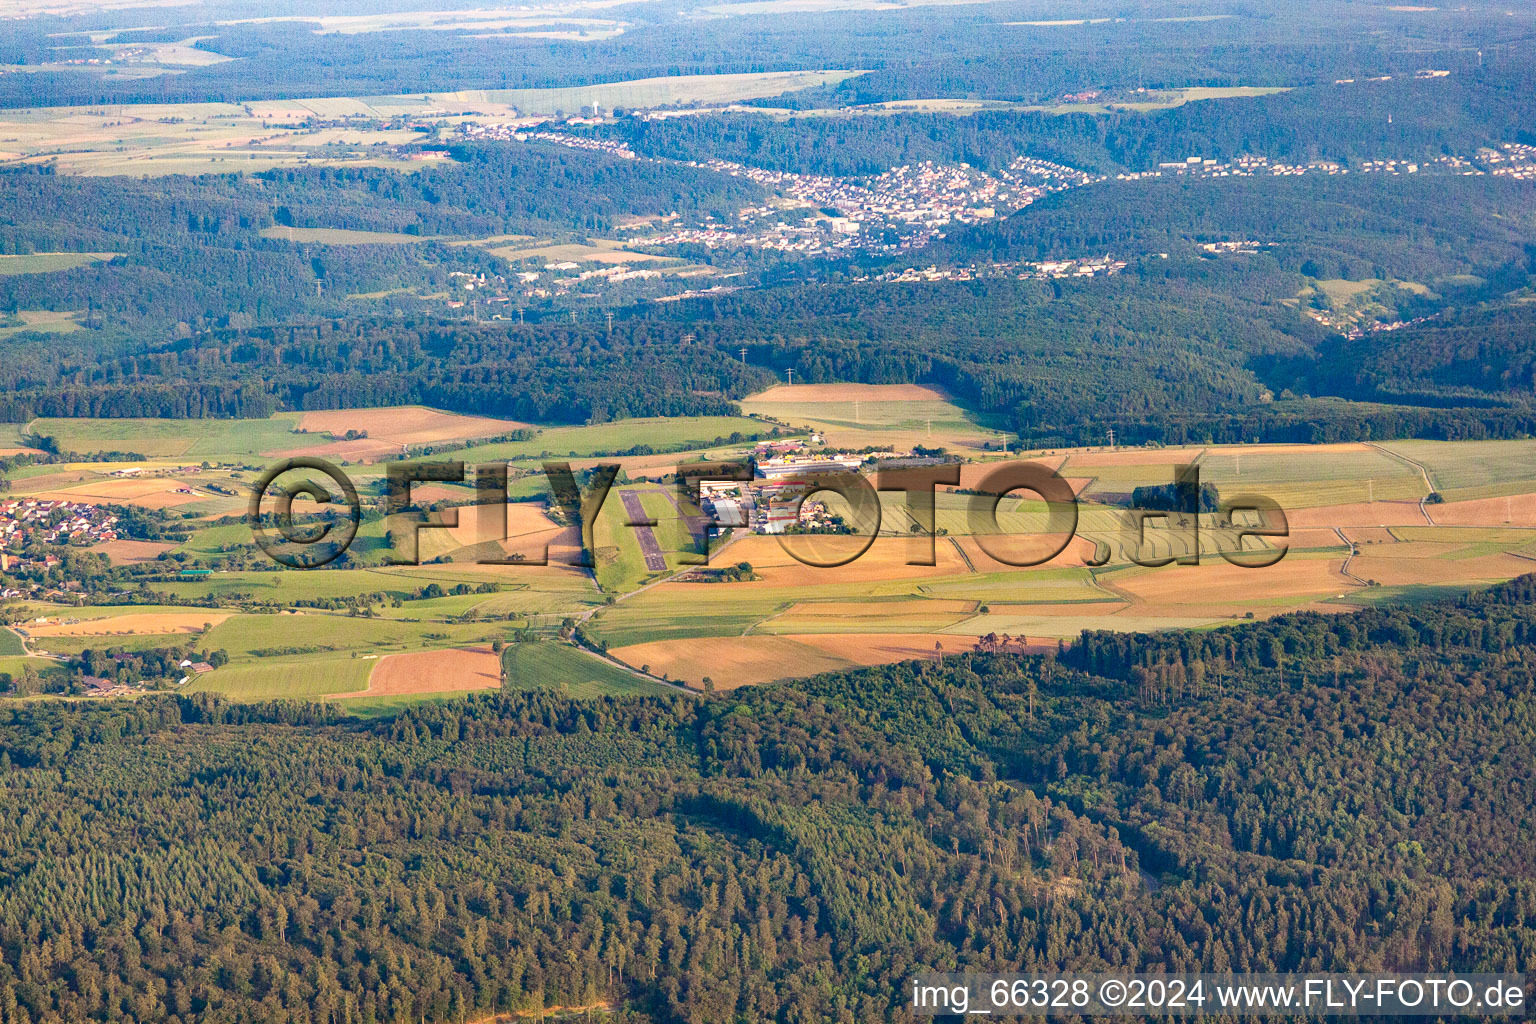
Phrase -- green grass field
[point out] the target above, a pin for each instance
(259, 636)
(549, 664)
(534, 589)
(388, 704)
(1232, 467)
(73, 645)
(194, 439)
(1463, 470)
(45, 321)
(13, 666)
(293, 678)
(10, 644)
(620, 562)
(47, 262)
(899, 423)
(660, 615)
(1306, 478)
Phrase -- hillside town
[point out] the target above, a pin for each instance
(905, 208)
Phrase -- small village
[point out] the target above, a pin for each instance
(29, 520)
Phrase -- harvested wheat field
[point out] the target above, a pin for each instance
(529, 531)
(129, 552)
(973, 473)
(1375, 513)
(884, 648)
(1220, 588)
(406, 425)
(464, 668)
(638, 467)
(1407, 564)
(426, 493)
(733, 661)
(815, 393)
(133, 624)
(730, 661)
(1515, 510)
(155, 492)
(1024, 547)
(1320, 537)
(885, 560)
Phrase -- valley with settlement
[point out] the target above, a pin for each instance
(686, 511)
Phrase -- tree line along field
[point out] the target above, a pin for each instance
(1362, 531)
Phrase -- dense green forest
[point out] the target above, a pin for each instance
(1485, 355)
(913, 51)
(192, 254)
(1423, 229)
(1316, 792)
(1404, 118)
(558, 373)
(1172, 350)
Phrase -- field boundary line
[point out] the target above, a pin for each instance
(1344, 569)
(788, 606)
(955, 542)
(1428, 483)
(1130, 600)
(607, 658)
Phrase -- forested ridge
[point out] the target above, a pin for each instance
(1323, 226)
(1404, 118)
(191, 254)
(1174, 350)
(1485, 354)
(1316, 792)
(548, 373)
(915, 52)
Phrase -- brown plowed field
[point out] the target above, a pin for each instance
(127, 552)
(406, 424)
(133, 624)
